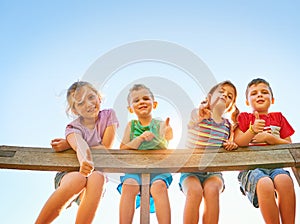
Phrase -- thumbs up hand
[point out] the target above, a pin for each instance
(256, 115)
(258, 125)
(166, 130)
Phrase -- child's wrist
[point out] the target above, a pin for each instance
(141, 138)
(252, 130)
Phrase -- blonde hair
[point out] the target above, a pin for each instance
(73, 89)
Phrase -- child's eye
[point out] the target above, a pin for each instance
(265, 92)
(91, 97)
(80, 104)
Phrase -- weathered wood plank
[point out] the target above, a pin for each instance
(296, 155)
(152, 161)
(155, 161)
(145, 197)
(296, 169)
(174, 162)
(37, 159)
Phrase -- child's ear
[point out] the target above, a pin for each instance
(273, 100)
(130, 109)
(247, 103)
(155, 104)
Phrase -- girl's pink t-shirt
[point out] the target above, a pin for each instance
(93, 137)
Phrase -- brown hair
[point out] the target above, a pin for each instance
(138, 87)
(233, 107)
(256, 82)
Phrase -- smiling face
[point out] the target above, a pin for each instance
(259, 97)
(86, 103)
(141, 102)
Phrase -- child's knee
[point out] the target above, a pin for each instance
(212, 191)
(74, 180)
(130, 186)
(213, 186)
(158, 188)
(284, 183)
(265, 186)
(194, 190)
(96, 179)
(98, 176)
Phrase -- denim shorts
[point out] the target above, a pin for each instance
(166, 177)
(202, 177)
(248, 180)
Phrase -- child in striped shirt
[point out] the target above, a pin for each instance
(208, 129)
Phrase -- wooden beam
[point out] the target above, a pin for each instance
(145, 197)
(150, 161)
(296, 169)
(155, 161)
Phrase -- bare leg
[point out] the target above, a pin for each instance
(130, 189)
(91, 198)
(71, 185)
(286, 198)
(266, 198)
(159, 193)
(193, 191)
(212, 188)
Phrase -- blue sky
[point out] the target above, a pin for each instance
(47, 45)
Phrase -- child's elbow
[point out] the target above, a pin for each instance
(241, 143)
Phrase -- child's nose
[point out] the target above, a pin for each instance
(259, 94)
(89, 102)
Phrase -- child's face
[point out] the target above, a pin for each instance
(87, 103)
(223, 97)
(141, 102)
(259, 98)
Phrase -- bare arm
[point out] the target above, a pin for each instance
(242, 138)
(255, 133)
(135, 143)
(271, 139)
(230, 144)
(166, 130)
(109, 136)
(60, 144)
(84, 156)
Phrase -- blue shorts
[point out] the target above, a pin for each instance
(166, 177)
(248, 180)
(202, 176)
